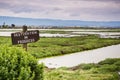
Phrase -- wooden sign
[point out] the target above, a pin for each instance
(26, 37)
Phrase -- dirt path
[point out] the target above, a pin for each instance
(91, 56)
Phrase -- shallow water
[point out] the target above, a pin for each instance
(5, 33)
(91, 56)
(101, 34)
(42, 34)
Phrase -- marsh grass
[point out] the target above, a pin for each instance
(47, 47)
(86, 72)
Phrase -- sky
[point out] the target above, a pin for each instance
(85, 10)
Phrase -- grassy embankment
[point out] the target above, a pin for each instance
(47, 47)
(104, 70)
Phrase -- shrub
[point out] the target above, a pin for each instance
(16, 64)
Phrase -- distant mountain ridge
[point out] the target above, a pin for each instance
(56, 22)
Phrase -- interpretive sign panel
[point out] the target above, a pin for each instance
(25, 37)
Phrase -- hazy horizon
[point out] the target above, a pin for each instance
(56, 22)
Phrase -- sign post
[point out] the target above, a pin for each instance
(25, 44)
(25, 37)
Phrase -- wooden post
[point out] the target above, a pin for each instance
(24, 30)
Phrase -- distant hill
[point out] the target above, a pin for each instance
(55, 22)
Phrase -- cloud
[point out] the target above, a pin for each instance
(62, 9)
(98, 0)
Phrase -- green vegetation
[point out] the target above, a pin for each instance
(16, 64)
(60, 46)
(104, 70)
(47, 47)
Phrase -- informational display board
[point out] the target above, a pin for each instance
(26, 37)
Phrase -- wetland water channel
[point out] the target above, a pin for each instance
(72, 34)
(90, 56)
